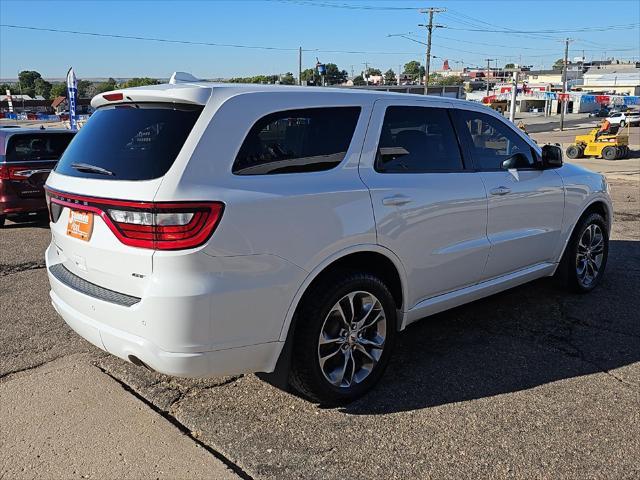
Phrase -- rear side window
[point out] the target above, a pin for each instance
(417, 140)
(37, 146)
(490, 140)
(292, 141)
(127, 142)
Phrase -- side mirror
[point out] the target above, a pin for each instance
(517, 160)
(551, 156)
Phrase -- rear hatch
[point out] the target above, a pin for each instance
(28, 159)
(105, 225)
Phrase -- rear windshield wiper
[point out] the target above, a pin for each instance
(85, 167)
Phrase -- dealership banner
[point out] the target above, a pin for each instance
(72, 96)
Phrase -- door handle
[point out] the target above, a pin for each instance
(396, 200)
(500, 191)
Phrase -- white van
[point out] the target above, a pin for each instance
(202, 229)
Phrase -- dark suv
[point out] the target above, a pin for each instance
(27, 155)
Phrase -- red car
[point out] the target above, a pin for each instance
(27, 155)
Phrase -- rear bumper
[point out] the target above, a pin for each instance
(13, 204)
(231, 361)
(175, 331)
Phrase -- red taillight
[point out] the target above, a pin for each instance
(13, 173)
(112, 97)
(154, 225)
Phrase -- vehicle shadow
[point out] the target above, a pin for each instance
(515, 340)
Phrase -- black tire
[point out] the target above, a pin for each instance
(569, 269)
(2, 219)
(622, 123)
(313, 315)
(573, 151)
(609, 153)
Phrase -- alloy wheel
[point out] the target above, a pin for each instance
(589, 255)
(352, 339)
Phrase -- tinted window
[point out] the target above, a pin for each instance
(306, 140)
(417, 139)
(490, 140)
(37, 146)
(133, 143)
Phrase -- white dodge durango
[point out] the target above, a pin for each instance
(201, 229)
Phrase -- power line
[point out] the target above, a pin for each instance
(585, 29)
(190, 42)
(346, 6)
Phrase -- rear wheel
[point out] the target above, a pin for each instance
(622, 123)
(2, 219)
(344, 335)
(609, 153)
(573, 151)
(585, 257)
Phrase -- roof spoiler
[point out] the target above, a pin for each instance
(183, 77)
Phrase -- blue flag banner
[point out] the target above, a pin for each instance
(72, 95)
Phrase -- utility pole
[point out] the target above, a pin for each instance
(565, 66)
(300, 66)
(366, 69)
(430, 26)
(399, 71)
(488, 70)
(514, 94)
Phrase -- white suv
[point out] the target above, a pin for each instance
(201, 229)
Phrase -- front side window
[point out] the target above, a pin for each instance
(417, 140)
(491, 141)
(294, 141)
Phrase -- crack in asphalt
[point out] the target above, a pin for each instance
(20, 267)
(179, 425)
(26, 369)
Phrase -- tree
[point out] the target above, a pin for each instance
(559, 63)
(358, 80)
(58, 90)
(107, 86)
(13, 87)
(42, 87)
(287, 79)
(335, 76)
(390, 77)
(414, 70)
(309, 75)
(139, 82)
(373, 72)
(27, 79)
(83, 89)
(510, 65)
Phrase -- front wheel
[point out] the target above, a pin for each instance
(609, 153)
(585, 257)
(344, 336)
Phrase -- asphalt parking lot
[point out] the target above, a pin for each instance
(533, 382)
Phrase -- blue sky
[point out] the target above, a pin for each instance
(285, 24)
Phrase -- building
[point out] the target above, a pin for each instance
(621, 79)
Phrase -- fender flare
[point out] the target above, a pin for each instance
(360, 248)
(599, 199)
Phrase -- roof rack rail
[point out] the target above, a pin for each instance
(183, 77)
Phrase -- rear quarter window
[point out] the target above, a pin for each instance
(133, 142)
(37, 146)
(294, 141)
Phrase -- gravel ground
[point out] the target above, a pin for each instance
(532, 382)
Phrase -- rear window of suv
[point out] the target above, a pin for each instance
(293, 141)
(129, 142)
(37, 146)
